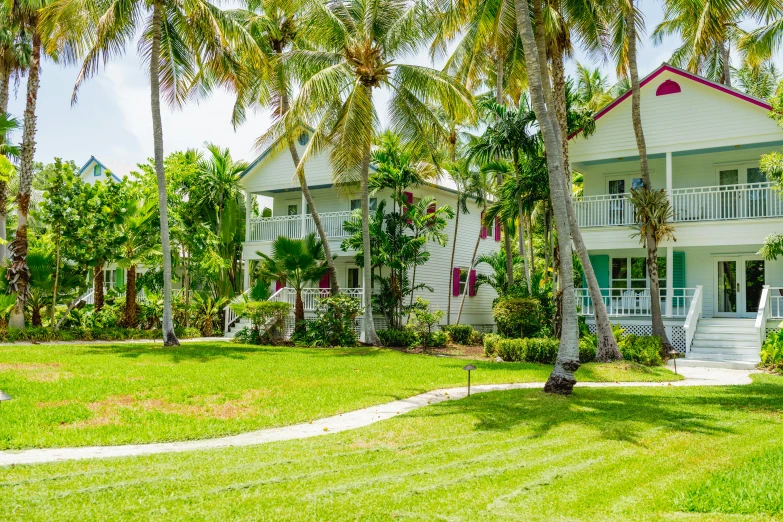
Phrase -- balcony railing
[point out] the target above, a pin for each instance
(718, 203)
(310, 295)
(625, 302)
(268, 229)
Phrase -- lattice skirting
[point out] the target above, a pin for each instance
(676, 333)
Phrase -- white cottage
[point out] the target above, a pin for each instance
(704, 141)
(94, 170)
(272, 176)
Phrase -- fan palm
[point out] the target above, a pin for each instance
(298, 262)
(184, 44)
(360, 47)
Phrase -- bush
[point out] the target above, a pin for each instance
(539, 350)
(266, 317)
(519, 317)
(587, 349)
(642, 349)
(43, 335)
(459, 333)
(476, 338)
(423, 322)
(398, 338)
(772, 351)
(334, 323)
(491, 344)
(436, 339)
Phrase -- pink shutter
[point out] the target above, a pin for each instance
(455, 283)
(497, 229)
(278, 285)
(472, 283)
(431, 209)
(483, 228)
(324, 282)
(409, 200)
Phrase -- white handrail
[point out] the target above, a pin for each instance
(624, 302)
(230, 317)
(692, 319)
(762, 315)
(775, 302)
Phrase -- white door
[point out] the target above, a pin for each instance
(738, 284)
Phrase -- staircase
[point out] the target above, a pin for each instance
(234, 328)
(725, 342)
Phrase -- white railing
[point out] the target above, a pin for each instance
(762, 315)
(230, 316)
(775, 302)
(604, 210)
(310, 296)
(722, 202)
(269, 229)
(624, 302)
(692, 319)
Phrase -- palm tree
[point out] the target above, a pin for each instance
(497, 279)
(298, 262)
(360, 45)
(276, 28)
(759, 80)
(650, 241)
(592, 88)
(184, 44)
(137, 227)
(562, 378)
(460, 173)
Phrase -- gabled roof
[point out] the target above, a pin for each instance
(665, 67)
(104, 167)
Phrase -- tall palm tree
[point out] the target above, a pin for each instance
(137, 226)
(184, 45)
(276, 29)
(562, 378)
(592, 88)
(759, 80)
(460, 172)
(360, 47)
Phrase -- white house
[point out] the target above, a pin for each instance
(272, 176)
(94, 170)
(704, 142)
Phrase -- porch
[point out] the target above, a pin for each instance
(267, 229)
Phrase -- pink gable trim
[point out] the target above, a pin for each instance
(685, 74)
(668, 87)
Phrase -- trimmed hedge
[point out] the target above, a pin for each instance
(398, 338)
(519, 316)
(42, 335)
(459, 333)
(642, 349)
(536, 350)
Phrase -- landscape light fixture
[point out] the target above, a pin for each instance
(469, 368)
(4, 396)
(674, 354)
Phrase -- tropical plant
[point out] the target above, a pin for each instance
(298, 262)
(363, 43)
(208, 312)
(424, 322)
(267, 319)
(184, 46)
(592, 88)
(497, 279)
(335, 321)
(759, 80)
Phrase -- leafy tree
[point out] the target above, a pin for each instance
(759, 80)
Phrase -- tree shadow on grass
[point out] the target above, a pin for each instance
(185, 352)
(618, 414)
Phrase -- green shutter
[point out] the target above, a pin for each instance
(119, 278)
(679, 271)
(601, 267)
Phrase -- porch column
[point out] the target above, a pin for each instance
(669, 275)
(249, 197)
(304, 215)
(246, 273)
(669, 175)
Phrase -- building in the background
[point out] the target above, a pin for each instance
(94, 170)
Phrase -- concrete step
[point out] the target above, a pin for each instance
(726, 343)
(721, 329)
(706, 363)
(726, 336)
(728, 352)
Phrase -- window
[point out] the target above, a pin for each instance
(96, 171)
(293, 210)
(353, 278)
(109, 278)
(623, 185)
(356, 204)
(463, 280)
(636, 276)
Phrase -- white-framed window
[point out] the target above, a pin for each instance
(356, 204)
(353, 276)
(631, 272)
(623, 184)
(293, 210)
(739, 173)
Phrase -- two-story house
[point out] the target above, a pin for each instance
(272, 176)
(704, 142)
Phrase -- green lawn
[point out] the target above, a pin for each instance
(603, 454)
(68, 395)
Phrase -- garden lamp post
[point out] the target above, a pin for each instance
(674, 354)
(4, 397)
(469, 368)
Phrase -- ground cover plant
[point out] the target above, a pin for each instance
(73, 395)
(602, 454)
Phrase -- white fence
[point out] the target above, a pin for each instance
(268, 229)
(775, 302)
(717, 203)
(310, 295)
(624, 302)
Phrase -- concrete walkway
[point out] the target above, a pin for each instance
(344, 422)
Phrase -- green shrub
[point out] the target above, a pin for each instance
(335, 318)
(642, 349)
(491, 344)
(587, 349)
(267, 318)
(459, 333)
(435, 339)
(772, 351)
(398, 338)
(423, 322)
(538, 350)
(43, 335)
(519, 316)
(476, 338)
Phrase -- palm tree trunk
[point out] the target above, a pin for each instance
(509, 255)
(370, 337)
(56, 282)
(334, 284)
(467, 283)
(522, 249)
(5, 82)
(130, 298)
(18, 272)
(725, 56)
(547, 242)
(451, 263)
(607, 349)
(97, 287)
(506, 235)
(298, 310)
(658, 329)
(169, 337)
(562, 378)
(531, 252)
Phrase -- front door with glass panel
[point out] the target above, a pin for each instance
(738, 284)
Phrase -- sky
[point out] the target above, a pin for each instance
(112, 118)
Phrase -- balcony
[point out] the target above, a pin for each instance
(717, 203)
(625, 302)
(295, 227)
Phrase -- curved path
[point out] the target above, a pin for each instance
(347, 421)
